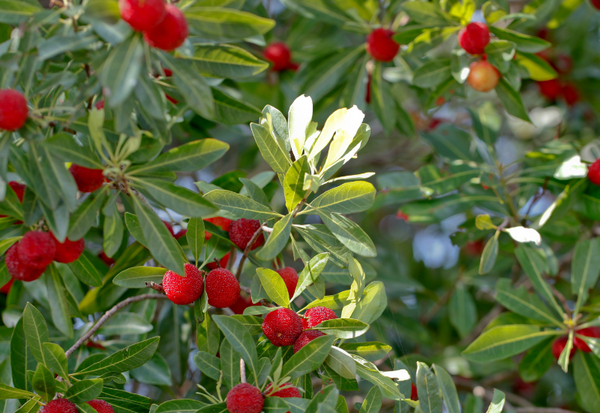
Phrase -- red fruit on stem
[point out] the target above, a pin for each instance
(37, 249)
(6, 287)
(483, 76)
(13, 109)
(68, 251)
(222, 288)
(242, 231)
(287, 391)
(142, 14)
(19, 189)
(240, 305)
(594, 172)
(596, 4)
(222, 263)
(282, 327)
(59, 406)
(107, 260)
(305, 338)
(316, 315)
(381, 46)
(279, 54)
(559, 345)
(414, 395)
(290, 278)
(183, 290)
(550, 89)
(19, 269)
(570, 94)
(87, 180)
(245, 398)
(101, 406)
(587, 332)
(474, 37)
(171, 32)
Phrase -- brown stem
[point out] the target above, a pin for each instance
(155, 286)
(440, 302)
(248, 249)
(108, 315)
(232, 252)
(562, 300)
(242, 371)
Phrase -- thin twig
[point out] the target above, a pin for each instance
(108, 315)
(242, 371)
(562, 300)
(155, 286)
(248, 249)
(426, 318)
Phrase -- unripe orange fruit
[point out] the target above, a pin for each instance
(483, 76)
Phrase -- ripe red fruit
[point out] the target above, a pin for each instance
(87, 180)
(241, 304)
(381, 46)
(107, 260)
(414, 395)
(19, 189)
(223, 223)
(282, 327)
(101, 406)
(222, 263)
(171, 32)
(6, 287)
(594, 172)
(37, 249)
(483, 76)
(595, 3)
(19, 269)
(279, 54)
(222, 288)
(59, 406)
(241, 232)
(570, 94)
(68, 251)
(142, 14)
(287, 391)
(474, 37)
(13, 109)
(550, 89)
(316, 315)
(100, 104)
(475, 248)
(290, 278)
(183, 290)
(587, 332)
(305, 338)
(559, 345)
(245, 398)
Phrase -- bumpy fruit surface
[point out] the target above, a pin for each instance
(142, 14)
(59, 406)
(282, 327)
(305, 338)
(594, 172)
(316, 315)
(87, 180)
(279, 54)
(559, 345)
(101, 406)
(37, 249)
(18, 269)
(550, 89)
(290, 278)
(483, 76)
(171, 32)
(68, 251)
(18, 188)
(183, 290)
(222, 288)
(287, 391)
(587, 332)
(381, 46)
(13, 109)
(245, 398)
(474, 37)
(241, 232)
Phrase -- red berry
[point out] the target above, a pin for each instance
(59, 406)
(240, 305)
(587, 332)
(279, 54)
(290, 277)
(87, 180)
(37, 249)
(222, 288)
(101, 406)
(475, 248)
(381, 46)
(241, 232)
(414, 395)
(170, 228)
(282, 327)
(223, 223)
(305, 338)
(171, 32)
(183, 290)
(559, 345)
(6, 287)
(142, 14)
(222, 263)
(100, 104)
(474, 37)
(68, 251)
(483, 76)
(570, 94)
(245, 398)
(594, 172)
(18, 269)
(550, 89)
(19, 189)
(107, 260)
(287, 391)
(316, 315)
(168, 72)
(595, 3)
(13, 109)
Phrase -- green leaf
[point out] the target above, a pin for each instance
(373, 401)
(227, 61)
(84, 390)
(43, 382)
(486, 122)
(448, 389)
(59, 309)
(350, 234)
(274, 286)
(271, 148)
(462, 310)
(277, 240)
(310, 273)
(372, 303)
(484, 222)
(195, 236)
(208, 336)
(294, 182)
(345, 328)
(430, 399)
(208, 364)
(177, 198)
(231, 111)
(150, 93)
(342, 363)
(426, 13)
(224, 24)
(523, 42)
(42, 182)
(432, 73)
(523, 303)
(500, 53)
(155, 372)
(381, 99)
(134, 228)
(497, 404)
(538, 68)
(586, 372)
(511, 99)
(56, 359)
(126, 402)
(86, 271)
(85, 215)
(162, 245)
(240, 339)
(119, 72)
(14, 12)
(36, 332)
(239, 205)
(125, 323)
(308, 358)
(585, 269)
(56, 45)
(452, 143)
(489, 255)
(368, 371)
(347, 198)
(180, 406)
(505, 341)
(537, 361)
(370, 350)
(20, 357)
(113, 234)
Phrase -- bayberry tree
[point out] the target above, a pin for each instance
(168, 246)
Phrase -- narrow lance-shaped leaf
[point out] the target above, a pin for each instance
(274, 286)
(277, 240)
(585, 269)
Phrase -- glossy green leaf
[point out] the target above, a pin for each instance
(522, 302)
(310, 273)
(86, 271)
(85, 215)
(274, 286)
(524, 43)
(84, 390)
(489, 255)
(347, 198)
(294, 182)
(120, 70)
(226, 24)
(350, 234)
(195, 236)
(227, 61)
(462, 310)
(585, 269)
(177, 198)
(240, 340)
(56, 359)
(373, 401)
(277, 240)
(271, 148)
(180, 406)
(432, 73)
(36, 332)
(345, 328)
(430, 399)
(308, 358)
(497, 404)
(59, 309)
(239, 205)
(43, 382)
(511, 99)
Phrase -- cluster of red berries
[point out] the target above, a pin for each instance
(245, 398)
(473, 38)
(28, 258)
(164, 25)
(65, 406)
(280, 55)
(13, 110)
(560, 343)
(556, 88)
